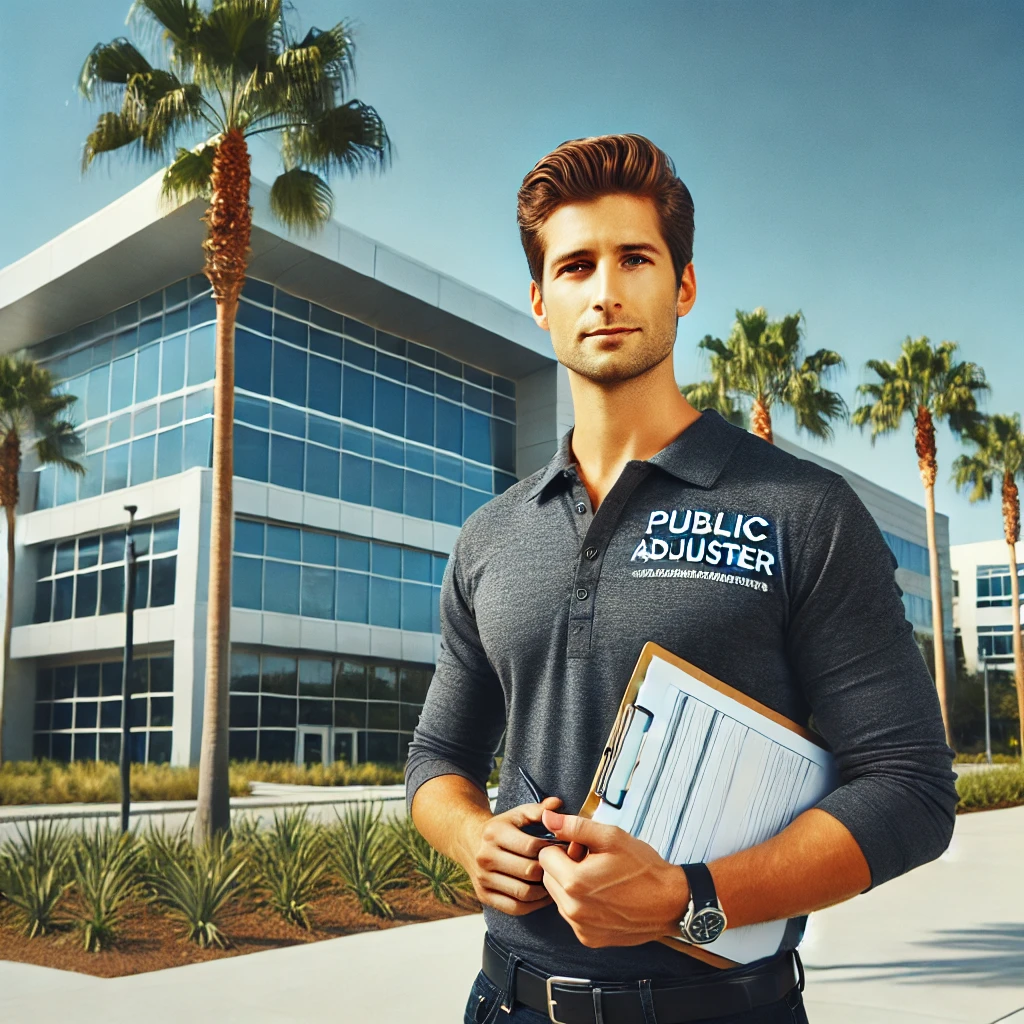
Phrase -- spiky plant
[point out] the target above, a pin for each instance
(998, 454)
(926, 383)
(444, 877)
(107, 876)
(35, 875)
(367, 857)
(762, 364)
(234, 70)
(32, 418)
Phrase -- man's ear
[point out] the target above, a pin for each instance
(687, 291)
(537, 306)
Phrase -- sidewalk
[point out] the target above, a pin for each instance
(941, 945)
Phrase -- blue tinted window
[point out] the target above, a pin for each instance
(248, 537)
(121, 428)
(352, 597)
(354, 554)
(63, 593)
(477, 440)
(115, 470)
(318, 592)
(502, 482)
(291, 304)
(258, 291)
(325, 385)
(281, 587)
(147, 379)
(91, 483)
(199, 444)
(326, 318)
(145, 420)
(438, 563)
(286, 461)
(122, 381)
(385, 602)
(355, 439)
(202, 310)
(202, 346)
(171, 411)
(143, 452)
(479, 477)
(449, 468)
(421, 378)
(322, 470)
(254, 317)
(505, 407)
(86, 590)
(389, 450)
(96, 392)
(283, 542)
(246, 582)
(477, 398)
(286, 420)
(387, 559)
(391, 367)
(415, 565)
(291, 330)
(419, 458)
(355, 479)
(449, 388)
(289, 374)
(503, 445)
(168, 452)
(176, 321)
(505, 387)
(357, 396)
(419, 495)
(317, 548)
(44, 495)
(252, 449)
(475, 376)
(447, 503)
(416, 601)
(359, 355)
(173, 364)
(388, 486)
(326, 432)
(324, 343)
(448, 426)
(252, 410)
(471, 501)
(419, 417)
(148, 331)
(67, 486)
(165, 536)
(252, 362)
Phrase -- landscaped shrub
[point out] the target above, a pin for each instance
(35, 874)
(367, 857)
(106, 865)
(999, 787)
(444, 877)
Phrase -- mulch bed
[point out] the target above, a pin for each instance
(150, 941)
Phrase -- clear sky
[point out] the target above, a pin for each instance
(860, 162)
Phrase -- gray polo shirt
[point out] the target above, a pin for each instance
(764, 570)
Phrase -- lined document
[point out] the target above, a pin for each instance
(714, 777)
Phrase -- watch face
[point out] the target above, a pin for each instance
(706, 925)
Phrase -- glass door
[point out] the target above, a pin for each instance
(345, 746)
(312, 745)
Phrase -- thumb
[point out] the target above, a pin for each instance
(581, 830)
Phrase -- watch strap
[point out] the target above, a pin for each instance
(702, 886)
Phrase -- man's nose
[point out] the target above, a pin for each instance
(606, 289)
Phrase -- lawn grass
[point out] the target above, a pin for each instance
(989, 790)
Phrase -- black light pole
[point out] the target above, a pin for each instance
(129, 608)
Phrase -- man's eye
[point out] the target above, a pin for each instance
(636, 256)
(571, 266)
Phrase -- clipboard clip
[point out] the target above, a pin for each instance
(622, 755)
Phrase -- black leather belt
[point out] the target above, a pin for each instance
(582, 1001)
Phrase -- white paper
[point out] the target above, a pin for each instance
(715, 777)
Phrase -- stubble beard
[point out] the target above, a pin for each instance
(616, 367)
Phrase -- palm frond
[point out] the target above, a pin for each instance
(348, 138)
(188, 177)
(109, 66)
(112, 131)
(301, 199)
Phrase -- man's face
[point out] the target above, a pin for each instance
(611, 299)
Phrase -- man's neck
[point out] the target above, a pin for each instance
(631, 420)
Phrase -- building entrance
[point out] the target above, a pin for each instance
(312, 746)
(345, 746)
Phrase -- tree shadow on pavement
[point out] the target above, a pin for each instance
(991, 954)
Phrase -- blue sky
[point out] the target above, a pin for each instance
(860, 162)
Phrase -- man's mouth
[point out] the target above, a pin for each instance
(609, 331)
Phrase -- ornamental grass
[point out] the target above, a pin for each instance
(998, 787)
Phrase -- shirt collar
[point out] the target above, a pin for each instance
(698, 455)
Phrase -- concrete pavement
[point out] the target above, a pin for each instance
(941, 945)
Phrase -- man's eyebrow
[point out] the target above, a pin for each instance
(625, 247)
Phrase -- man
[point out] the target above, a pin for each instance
(543, 617)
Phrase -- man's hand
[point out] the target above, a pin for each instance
(621, 893)
(502, 860)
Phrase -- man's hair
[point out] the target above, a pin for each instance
(584, 169)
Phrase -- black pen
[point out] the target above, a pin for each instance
(538, 829)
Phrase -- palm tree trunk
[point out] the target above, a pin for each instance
(924, 442)
(1011, 527)
(761, 420)
(10, 464)
(229, 221)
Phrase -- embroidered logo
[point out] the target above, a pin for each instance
(741, 547)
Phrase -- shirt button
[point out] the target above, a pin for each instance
(591, 552)
(582, 593)
(580, 507)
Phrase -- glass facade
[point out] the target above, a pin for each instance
(908, 554)
(86, 576)
(994, 585)
(335, 576)
(78, 710)
(995, 641)
(143, 378)
(370, 705)
(919, 610)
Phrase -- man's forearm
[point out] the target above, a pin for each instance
(813, 863)
(443, 809)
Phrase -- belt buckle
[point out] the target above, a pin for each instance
(556, 979)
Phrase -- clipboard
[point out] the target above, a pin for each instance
(754, 773)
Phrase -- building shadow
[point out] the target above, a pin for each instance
(987, 955)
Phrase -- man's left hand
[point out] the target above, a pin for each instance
(620, 893)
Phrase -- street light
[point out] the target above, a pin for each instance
(988, 728)
(129, 608)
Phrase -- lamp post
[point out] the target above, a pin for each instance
(129, 608)
(988, 727)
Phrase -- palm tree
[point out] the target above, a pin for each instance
(927, 384)
(30, 417)
(233, 72)
(763, 363)
(999, 455)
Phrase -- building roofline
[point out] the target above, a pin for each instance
(139, 243)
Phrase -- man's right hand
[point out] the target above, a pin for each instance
(502, 860)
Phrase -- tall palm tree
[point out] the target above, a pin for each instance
(30, 418)
(234, 71)
(999, 455)
(762, 364)
(928, 384)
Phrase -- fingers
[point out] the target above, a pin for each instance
(524, 813)
(508, 905)
(576, 851)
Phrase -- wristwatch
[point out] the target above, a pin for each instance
(704, 920)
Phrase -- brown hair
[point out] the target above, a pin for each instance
(584, 169)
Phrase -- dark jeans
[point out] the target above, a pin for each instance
(484, 1007)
